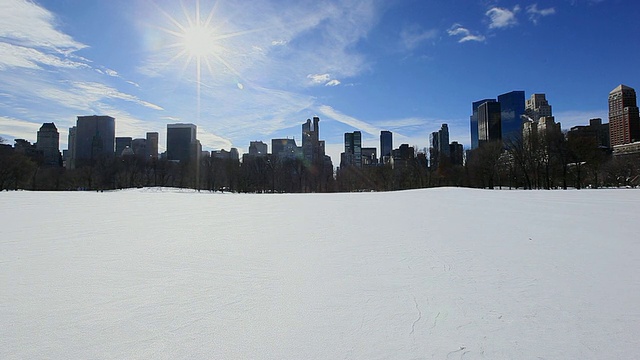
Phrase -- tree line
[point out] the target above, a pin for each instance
(551, 160)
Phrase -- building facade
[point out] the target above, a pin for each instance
(624, 119)
(386, 146)
(48, 144)
(122, 143)
(537, 106)
(257, 148)
(474, 121)
(94, 138)
(181, 142)
(352, 155)
(489, 122)
(512, 107)
(152, 145)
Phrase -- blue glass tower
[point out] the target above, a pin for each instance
(512, 108)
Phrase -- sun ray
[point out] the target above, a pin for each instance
(202, 40)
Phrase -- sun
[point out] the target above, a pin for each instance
(199, 41)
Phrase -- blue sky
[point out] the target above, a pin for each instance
(266, 66)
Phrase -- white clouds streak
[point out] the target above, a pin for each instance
(464, 34)
(332, 113)
(535, 14)
(502, 18)
(414, 36)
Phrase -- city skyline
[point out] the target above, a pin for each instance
(360, 66)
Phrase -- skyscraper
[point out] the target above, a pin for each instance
(489, 124)
(352, 149)
(152, 145)
(181, 142)
(386, 146)
(49, 144)
(474, 121)
(512, 106)
(312, 147)
(95, 138)
(624, 119)
(257, 148)
(70, 159)
(537, 106)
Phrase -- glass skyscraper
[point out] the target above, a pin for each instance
(512, 109)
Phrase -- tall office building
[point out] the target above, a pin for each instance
(94, 138)
(181, 142)
(512, 105)
(537, 106)
(624, 119)
(456, 153)
(474, 121)
(122, 142)
(257, 148)
(369, 157)
(285, 149)
(139, 147)
(489, 124)
(386, 146)
(439, 141)
(152, 145)
(70, 159)
(49, 144)
(352, 154)
(312, 147)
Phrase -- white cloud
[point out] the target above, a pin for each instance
(28, 24)
(502, 18)
(13, 128)
(333, 82)
(414, 36)
(318, 79)
(535, 13)
(334, 114)
(279, 42)
(14, 56)
(464, 34)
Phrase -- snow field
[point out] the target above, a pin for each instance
(425, 274)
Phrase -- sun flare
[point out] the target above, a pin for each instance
(199, 41)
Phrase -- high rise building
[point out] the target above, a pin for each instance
(122, 143)
(596, 131)
(386, 146)
(489, 124)
(181, 142)
(352, 154)
(152, 145)
(139, 147)
(512, 107)
(474, 121)
(624, 119)
(49, 144)
(369, 157)
(456, 151)
(257, 148)
(94, 139)
(537, 106)
(312, 149)
(70, 159)
(285, 149)
(439, 148)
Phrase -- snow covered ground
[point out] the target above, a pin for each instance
(426, 274)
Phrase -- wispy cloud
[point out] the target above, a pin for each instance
(502, 18)
(413, 36)
(464, 34)
(336, 115)
(535, 14)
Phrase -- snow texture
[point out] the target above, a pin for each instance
(426, 274)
